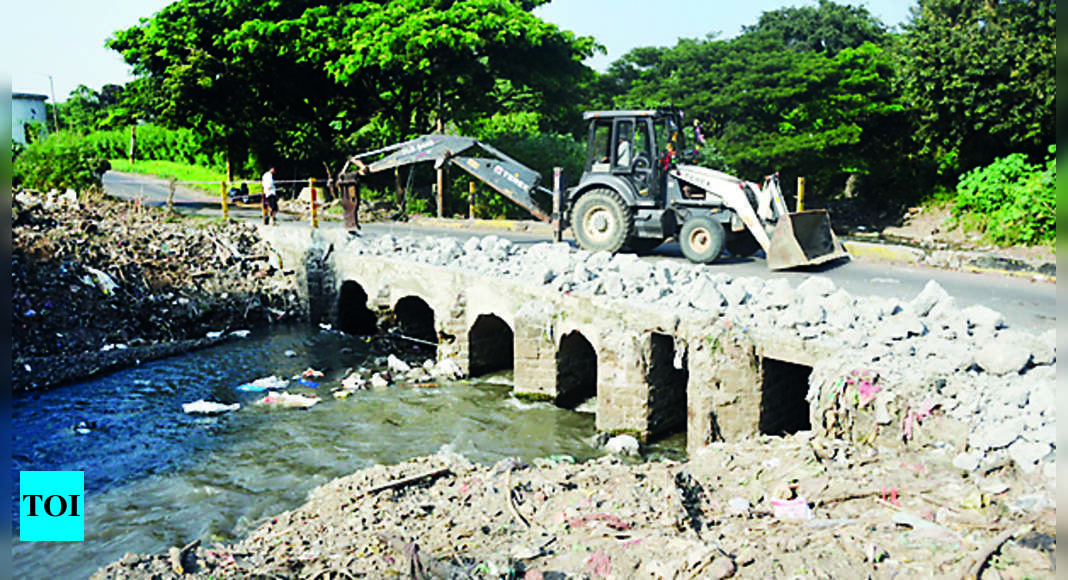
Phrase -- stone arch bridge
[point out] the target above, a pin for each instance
(653, 372)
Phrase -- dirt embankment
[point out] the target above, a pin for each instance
(99, 284)
(777, 508)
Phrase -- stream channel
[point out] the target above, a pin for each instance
(156, 478)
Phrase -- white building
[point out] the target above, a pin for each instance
(27, 111)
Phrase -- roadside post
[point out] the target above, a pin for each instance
(471, 201)
(170, 195)
(314, 204)
(225, 202)
(558, 233)
(800, 194)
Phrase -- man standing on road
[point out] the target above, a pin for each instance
(270, 197)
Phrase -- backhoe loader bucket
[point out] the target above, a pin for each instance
(804, 239)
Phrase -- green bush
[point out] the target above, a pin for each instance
(155, 143)
(60, 161)
(1010, 200)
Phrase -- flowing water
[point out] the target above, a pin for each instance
(157, 478)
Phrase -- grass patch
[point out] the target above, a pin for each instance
(170, 170)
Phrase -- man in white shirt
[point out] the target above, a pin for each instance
(623, 152)
(270, 198)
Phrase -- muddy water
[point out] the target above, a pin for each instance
(156, 477)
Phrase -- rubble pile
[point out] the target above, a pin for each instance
(99, 282)
(929, 356)
(776, 508)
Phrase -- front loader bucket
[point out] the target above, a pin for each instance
(804, 239)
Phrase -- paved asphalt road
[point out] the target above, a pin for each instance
(1026, 304)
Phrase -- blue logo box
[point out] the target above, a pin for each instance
(52, 506)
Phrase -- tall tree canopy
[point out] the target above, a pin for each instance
(981, 76)
(806, 90)
(300, 78)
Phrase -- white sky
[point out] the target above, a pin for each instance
(65, 39)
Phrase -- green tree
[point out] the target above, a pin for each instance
(807, 91)
(980, 74)
(228, 69)
(828, 28)
(426, 63)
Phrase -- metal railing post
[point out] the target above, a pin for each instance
(800, 194)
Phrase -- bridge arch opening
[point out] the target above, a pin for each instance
(415, 319)
(576, 370)
(490, 345)
(353, 315)
(666, 374)
(783, 407)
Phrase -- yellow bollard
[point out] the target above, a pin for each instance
(225, 203)
(800, 194)
(471, 201)
(314, 204)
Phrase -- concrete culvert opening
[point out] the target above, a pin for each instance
(667, 376)
(490, 345)
(353, 316)
(783, 408)
(576, 371)
(415, 319)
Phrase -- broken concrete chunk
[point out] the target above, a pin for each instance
(966, 461)
(1003, 356)
(980, 316)
(1027, 454)
(622, 445)
(818, 286)
(928, 298)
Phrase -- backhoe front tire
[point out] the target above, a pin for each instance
(602, 221)
(701, 239)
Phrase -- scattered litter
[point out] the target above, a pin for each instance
(214, 334)
(102, 280)
(311, 373)
(110, 347)
(791, 509)
(378, 382)
(289, 400)
(290, 353)
(738, 505)
(240, 333)
(397, 365)
(306, 383)
(203, 407)
(264, 384)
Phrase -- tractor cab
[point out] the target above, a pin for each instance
(633, 149)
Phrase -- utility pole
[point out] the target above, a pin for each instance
(55, 106)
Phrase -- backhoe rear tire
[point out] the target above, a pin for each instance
(701, 239)
(602, 221)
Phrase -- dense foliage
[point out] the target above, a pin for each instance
(980, 76)
(63, 160)
(873, 116)
(1011, 200)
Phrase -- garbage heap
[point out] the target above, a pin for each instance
(777, 508)
(99, 283)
